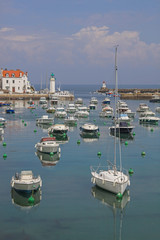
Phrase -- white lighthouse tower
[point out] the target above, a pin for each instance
(52, 83)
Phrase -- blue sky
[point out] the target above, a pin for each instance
(75, 39)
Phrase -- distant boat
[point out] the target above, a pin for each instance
(10, 110)
(70, 120)
(149, 119)
(43, 100)
(51, 110)
(1, 131)
(2, 121)
(106, 101)
(60, 112)
(44, 120)
(155, 98)
(142, 107)
(121, 128)
(93, 100)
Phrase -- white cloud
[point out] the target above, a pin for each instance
(5, 29)
(97, 45)
(91, 45)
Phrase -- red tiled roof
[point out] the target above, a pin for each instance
(15, 72)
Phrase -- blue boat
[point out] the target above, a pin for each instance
(10, 110)
(106, 101)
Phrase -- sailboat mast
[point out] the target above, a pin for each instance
(115, 111)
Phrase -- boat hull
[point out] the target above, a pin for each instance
(114, 187)
(47, 149)
(26, 186)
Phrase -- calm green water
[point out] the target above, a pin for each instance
(69, 206)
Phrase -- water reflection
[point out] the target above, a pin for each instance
(150, 126)
(123, 136)
(117, 207)
(109, 198)
(20, 198)
(47, 159)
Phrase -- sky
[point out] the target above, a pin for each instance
(75, 40)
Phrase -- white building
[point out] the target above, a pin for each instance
(15, 81)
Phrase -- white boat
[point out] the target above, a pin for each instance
(43, 100)
(149, 119)
(130, 113)
(155, 98)
(2, 121)
(60, 112)
(92, 106)
(71, 108)
(111, 178)
(142, 107)
(106, 114)
(1, 131)
(51, 110)
(89, 130)
(146, 113)
(93, 100)
(58, 129)
(124, 118)
(26, 181)
(79, 101)
(83, 108)
(70, 120)
(107, 108)
(54, 100)
(48, 145)
(82, 114)
(157, 109)
(121, 128)
(44, 120)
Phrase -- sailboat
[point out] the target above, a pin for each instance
(110, 177)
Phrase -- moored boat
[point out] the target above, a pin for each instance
(26, 181)
(48, 145)
(44, 120)
(149, 119)
(89, 130)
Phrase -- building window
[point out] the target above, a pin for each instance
(18, 88)
(6, 81)
(13, 75)
(24, 81)
(13, 81)
(7, 75)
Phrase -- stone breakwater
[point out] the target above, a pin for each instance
(33, 97)
(134, 93)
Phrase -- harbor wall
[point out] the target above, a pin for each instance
(33, 97)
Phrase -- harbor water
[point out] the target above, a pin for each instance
(69, 206)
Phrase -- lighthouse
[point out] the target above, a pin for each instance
(104, 85)
(52, 83)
